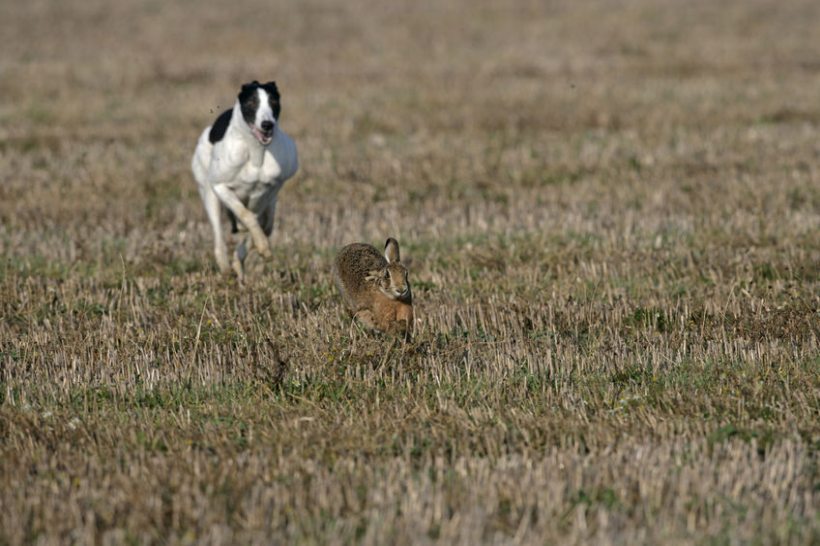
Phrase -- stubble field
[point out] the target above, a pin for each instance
(610, 211)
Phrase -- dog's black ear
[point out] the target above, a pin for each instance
(247, 90)
(250, 86)
(271, 88)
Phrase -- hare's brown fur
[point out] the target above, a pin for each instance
(375, 291)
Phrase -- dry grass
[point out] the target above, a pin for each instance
(610, 212)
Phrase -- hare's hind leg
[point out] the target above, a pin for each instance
(367, 318)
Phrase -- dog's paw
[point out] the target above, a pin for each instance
(263, 247)
(239, 270)
(222, 261)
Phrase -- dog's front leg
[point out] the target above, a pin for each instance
(260, 240)
(213, 208)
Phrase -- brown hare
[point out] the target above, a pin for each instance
(375, 288)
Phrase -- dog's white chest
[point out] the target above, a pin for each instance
(264, 169)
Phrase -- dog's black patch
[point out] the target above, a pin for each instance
(220, 126)
(249, 101)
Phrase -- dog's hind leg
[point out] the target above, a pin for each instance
(239, 258)
(266, 218)
(213, 207)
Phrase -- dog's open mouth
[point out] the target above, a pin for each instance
(263, 137)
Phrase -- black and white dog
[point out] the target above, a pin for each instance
(240, 164)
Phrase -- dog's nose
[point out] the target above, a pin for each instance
(267, 126)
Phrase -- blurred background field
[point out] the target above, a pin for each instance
(610, 211)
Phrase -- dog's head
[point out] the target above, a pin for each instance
(260, 107)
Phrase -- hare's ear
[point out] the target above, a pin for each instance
(391, 250)
(373, 276)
